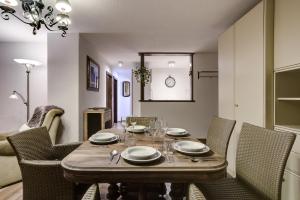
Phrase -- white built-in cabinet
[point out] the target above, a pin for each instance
(287, 86)
(245, 72)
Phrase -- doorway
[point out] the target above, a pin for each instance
(109, 95)
(115, 103)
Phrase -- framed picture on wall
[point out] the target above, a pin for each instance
(93, 75)
(126, 88)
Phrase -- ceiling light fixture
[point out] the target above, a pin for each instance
(120, 64)
(171, 64)
(33, 14)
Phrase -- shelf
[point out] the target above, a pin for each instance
(289, 128)
(288, 99)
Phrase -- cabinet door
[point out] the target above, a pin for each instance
(226, 74)
(249, 68)
(286, 35)
(226, 54)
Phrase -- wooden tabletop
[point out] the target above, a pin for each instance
(90, 164)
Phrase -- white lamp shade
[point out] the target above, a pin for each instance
(14, 96)
(63, 19)
(63, 6)
(9, 2)
(28, 62)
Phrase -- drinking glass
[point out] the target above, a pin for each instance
(168, 149)
(124, 124)
(130, 140)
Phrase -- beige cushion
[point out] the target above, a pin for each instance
(10, 170)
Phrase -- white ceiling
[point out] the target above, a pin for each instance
(120, 29)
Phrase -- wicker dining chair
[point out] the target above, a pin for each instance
(92, 193)
(218, 135)
(40, 165)
(145, 121)
(261, 158)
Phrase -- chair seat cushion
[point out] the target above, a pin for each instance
(228, 189)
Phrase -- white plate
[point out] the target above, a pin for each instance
(177, 132)
(101, 137)
(136, 129)
(125, 156)
(141, 152)
(116, 138)
(178, 147)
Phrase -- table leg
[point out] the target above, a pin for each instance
(113, 191)
(178, 191)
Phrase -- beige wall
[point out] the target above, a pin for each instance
(87, 98)
(13, 77)
(63, 84)
(193, 116)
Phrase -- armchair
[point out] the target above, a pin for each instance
(10, 170)
(39, 161)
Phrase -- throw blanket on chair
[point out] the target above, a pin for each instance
(39, 114)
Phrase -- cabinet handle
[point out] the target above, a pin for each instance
(236, 105)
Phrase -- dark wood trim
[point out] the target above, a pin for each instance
(192, 76)
(166, 53)
(115, 99)
(143, 54)
(142, 85)
(112, 96)
(191, 101)
(88, 61)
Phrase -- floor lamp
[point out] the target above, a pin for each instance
(29, 64)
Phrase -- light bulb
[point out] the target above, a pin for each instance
(171, 64)
(9, 2)
(63, 19)
(120, 63)
(63, 6)
(14, 96)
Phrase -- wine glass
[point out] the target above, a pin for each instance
(133, 123)
(124, 124)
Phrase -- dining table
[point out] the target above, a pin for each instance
(90, 163)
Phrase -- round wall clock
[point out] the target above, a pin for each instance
(170, 82)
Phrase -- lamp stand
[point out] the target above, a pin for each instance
(27, 102)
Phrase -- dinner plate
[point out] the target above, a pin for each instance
(136, 129)
(177, 132)
(114, 139)
(141, 152)
(125, 156)
(182, 147)
(103, 136)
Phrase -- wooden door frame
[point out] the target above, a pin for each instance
(112, 96)
(115, 99)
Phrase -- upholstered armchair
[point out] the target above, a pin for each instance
(10, 170)
(39, 161)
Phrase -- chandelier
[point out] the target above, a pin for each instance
(33, 14)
